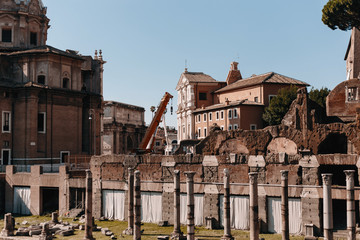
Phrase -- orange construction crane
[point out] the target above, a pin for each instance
(154, 124)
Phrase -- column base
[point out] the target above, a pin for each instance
(177, 236)
(128, 231)
(228, 237)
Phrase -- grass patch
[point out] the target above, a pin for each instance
(151, 231)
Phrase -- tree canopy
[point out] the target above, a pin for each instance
(279, 105)
(342, 14)
(319, 96)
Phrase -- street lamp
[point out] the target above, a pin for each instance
(91, 116)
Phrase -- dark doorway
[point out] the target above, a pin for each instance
(333, 143)
(77, 198)
(50, 200)
(337, 171)
(339, 214)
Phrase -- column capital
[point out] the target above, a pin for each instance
(284, 174)
(130, 171)
(349, 173)
(189, 175)
(137, 173)
(326, 177)
(88, 173)
(176, 172)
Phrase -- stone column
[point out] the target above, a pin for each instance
(177, 234)
(8, 229)
(54, 217)
(130, 228)
(327, 205)
(254, 209)
(190, 205)
(350, 204)
(137, 200)
(88, 206)
(284, 205)
(227, 231)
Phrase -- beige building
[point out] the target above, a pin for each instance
(234, 104)
(124, 127)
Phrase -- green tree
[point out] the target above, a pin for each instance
(279, 105)
(342, 14)
(319, 96)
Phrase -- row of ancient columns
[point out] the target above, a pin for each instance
(134, 205)
(350, 205)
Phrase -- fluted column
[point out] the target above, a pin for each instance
(284, 205)
(327, 203)
(137, 216)
(177, 231)
(88, 206)
(254, 209)
(350, 204)
(190, 205)
(227, 230)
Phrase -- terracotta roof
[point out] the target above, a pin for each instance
(198, 77)
(271, 77)
(231, 104)
(47, 49)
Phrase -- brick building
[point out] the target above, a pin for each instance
(124, 127)
(235, 104)
(46, 95)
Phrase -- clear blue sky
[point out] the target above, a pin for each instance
(145, 43)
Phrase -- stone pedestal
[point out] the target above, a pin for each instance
(327, 207)
(190, 205)
(254, 209)
(8, 229)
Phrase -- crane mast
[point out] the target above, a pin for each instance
(155, 122)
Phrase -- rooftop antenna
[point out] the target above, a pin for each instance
(186, 65)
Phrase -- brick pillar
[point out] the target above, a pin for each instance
(177, 231)
(88, 206)
(328, 216)
(350, 204)
(190, 205)
(137, 216)
(284, 205)
(254, 209)
(130, 228)
(227, 231)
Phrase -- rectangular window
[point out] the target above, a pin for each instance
(253, 127)
(230, 127)
(33, 38)
(157, 143)
(199, 132)
(271, 97)
(42, 122)
(202, 96)
(256, 99)
(230, 114)
(64, 156)
(235, 113)
(210, 116)
(204, 117)
(5, 156)
(6, 122)
(235, 126)
(222, 115)
(217, 115)
(6, 35)
(199, 118)
(352, 94)
(41, 79)
(205, 133)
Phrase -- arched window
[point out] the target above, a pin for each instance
(66, 82)
(41, 79)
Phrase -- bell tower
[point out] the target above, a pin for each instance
(23, 24)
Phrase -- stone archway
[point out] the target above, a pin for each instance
(282, 145)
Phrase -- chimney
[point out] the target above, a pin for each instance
(234, 74)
